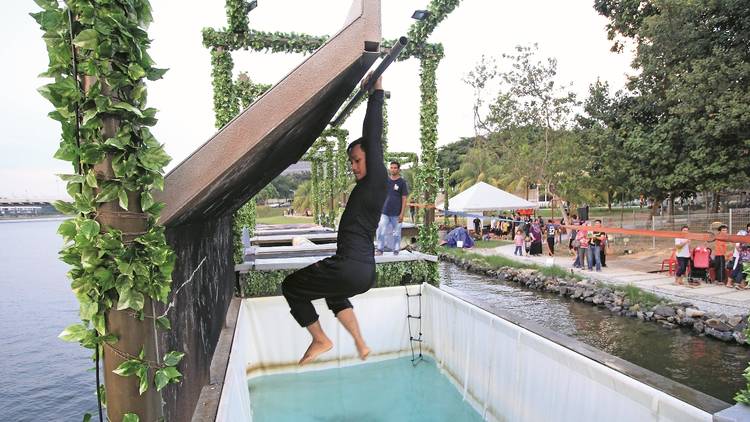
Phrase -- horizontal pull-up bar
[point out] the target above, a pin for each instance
(387, 60)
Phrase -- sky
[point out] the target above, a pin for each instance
(571, 31)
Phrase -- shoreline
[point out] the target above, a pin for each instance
(28, 219)
(667, 313)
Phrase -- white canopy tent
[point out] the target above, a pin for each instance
(485, 197)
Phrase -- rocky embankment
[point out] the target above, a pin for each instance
(668, 314)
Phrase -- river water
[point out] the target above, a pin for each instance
(44, 378)
(703, 363)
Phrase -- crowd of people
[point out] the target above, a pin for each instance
(720, 264)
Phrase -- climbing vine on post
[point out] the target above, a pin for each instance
(118, 256)
(446, 194)
(428, 173)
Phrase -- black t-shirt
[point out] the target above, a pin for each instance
(597, 239)
(362, 212)
(397, 189)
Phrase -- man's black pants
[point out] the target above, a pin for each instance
(335, 278)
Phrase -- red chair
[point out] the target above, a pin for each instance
(671, 262)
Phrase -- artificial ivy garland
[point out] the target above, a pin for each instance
(99, 97)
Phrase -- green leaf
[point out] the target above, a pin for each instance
(164, 323)
(127, 368)
(172, 373)
(67, 230)
(91, 179)
(130, 417)
(65, 207)
(108, 192)
(143, 379)
(88, 310)
(122, 196)
(135, 71)
(127, 107)
(130, 298)
(156, 73)
(160, 379)
(90, 228)
(173, 358)
(87, 417)
(73, 333)
(147, 200)
(88, 39)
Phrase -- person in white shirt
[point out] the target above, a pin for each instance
(682, 248)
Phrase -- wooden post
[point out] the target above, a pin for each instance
(133, 335)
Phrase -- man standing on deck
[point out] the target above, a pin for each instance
(393, 211)
(351, 271)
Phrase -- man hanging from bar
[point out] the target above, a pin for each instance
(351, 271)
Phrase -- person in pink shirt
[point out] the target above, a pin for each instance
(583, 246)
(519, 240)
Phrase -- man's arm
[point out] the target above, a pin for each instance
(403, 207)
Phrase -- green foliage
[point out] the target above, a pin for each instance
(743, 396)
(237, 11)
(108, 268)
(268, 283)
(268, 42)
(226, 105)
(429, 174)
(450, 156)
(686, 113)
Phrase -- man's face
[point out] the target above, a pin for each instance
(685, 229)
(357, 161)
(724, 230)
(394, 170)
(597, 223)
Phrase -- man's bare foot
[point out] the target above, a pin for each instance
(316, 348)
(363, 351)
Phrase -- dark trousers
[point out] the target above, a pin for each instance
(551, 243)
(335, 278)
(682, 265)
(721, 268)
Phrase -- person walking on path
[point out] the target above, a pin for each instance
(351, 271)
(393, 211)
(596, 240)
(551, 229)
(519, 242)
(682, 252)
(720, 257)
(581, 243)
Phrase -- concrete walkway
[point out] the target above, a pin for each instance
(710, 297)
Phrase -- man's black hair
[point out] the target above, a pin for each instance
(354, 144)
(723, 226)
(597, 221)
(685, 227)
(397, 164)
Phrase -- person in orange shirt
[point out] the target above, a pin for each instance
(720, 257)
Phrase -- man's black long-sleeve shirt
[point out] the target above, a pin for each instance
(362, 213)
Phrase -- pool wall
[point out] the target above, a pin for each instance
(505, 371)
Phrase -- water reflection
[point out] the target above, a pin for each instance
(705, 364)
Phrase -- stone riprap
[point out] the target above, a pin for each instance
(670, 315)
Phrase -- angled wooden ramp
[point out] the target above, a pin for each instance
(203, 192)
(276, 130)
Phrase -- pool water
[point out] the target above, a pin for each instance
(390, 390)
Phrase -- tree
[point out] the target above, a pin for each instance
(526, 118)
(689, 114)
(451, 155)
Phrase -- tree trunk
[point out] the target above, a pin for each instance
(670, 207)
(609, 200)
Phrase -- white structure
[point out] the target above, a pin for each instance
(485, 197)
(503, 370)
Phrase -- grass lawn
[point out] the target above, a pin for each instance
(496, 261)
(281, 219)
(491, 243)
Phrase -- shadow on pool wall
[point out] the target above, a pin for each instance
(499, 364)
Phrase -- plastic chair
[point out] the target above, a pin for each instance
(671, 263)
